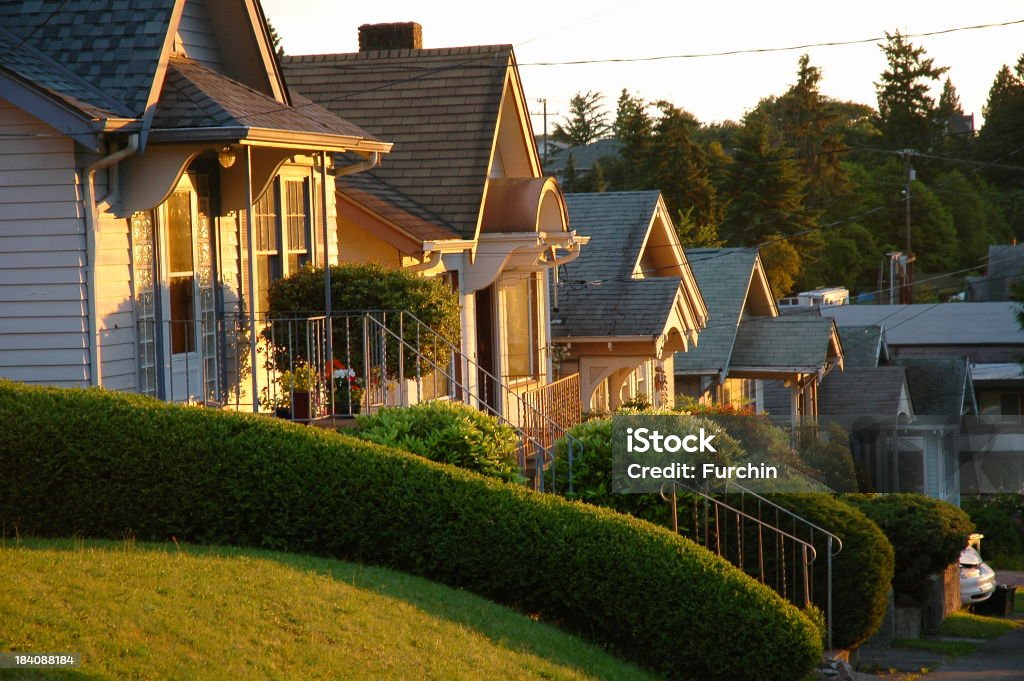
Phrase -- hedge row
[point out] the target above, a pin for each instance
(927, 535)
(99, 464)
(861, 573)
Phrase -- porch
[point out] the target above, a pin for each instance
(326, 369)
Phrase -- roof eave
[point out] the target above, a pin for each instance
(55, 112)
(267, 137)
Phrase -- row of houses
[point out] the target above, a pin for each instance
(161, 166)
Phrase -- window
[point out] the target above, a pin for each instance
(522, 327)
(999, 406)
(181, 272)
(282, 219)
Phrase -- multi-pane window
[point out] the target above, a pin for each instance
(522, 327)
(282, 220)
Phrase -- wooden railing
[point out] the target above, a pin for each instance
(559, 402)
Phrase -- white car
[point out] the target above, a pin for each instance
(977, 579)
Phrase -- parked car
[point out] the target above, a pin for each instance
(977, 579)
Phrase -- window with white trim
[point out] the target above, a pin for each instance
(283, 222)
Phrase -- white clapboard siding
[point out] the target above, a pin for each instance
(114, 303)
(43, 321)
(196, 36)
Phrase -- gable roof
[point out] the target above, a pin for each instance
(86, 66)
(939, 387)
(783, 343)
(864, 391)
(195, 96)
(724, 276)
(617, 223)
(936, 323)
(863, 346)
(639, 307)
(113, 45)
(439, 106)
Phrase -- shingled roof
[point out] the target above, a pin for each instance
(195, 96)
(724, 275)
(864, 391)
(863, 346)
(617, 223)
(113, 45)
(439, 107)
(800, 344)
(938, 387)
(102, 58)
(28, 63)
(638, 307)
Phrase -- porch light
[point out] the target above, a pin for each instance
(226, 157)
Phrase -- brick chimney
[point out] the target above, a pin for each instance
(406, 35)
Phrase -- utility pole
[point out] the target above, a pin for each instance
(544, 113)
(544, 101)
(908, 281)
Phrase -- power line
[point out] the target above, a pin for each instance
(762, 50)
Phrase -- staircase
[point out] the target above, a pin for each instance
(767, 541)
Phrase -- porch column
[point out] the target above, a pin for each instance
(251, 245)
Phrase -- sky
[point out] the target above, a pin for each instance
(711, 88)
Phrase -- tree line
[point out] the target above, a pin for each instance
(820, 184)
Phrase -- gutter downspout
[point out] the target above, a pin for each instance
(91, 229)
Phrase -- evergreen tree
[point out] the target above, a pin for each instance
(586, 122)
(679, 168)
(906, 110)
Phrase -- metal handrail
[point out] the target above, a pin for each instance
(527, 438)
(807, 547)
(572, 443)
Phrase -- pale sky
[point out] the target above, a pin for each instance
(711, 88)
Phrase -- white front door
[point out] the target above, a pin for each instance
(181, 306)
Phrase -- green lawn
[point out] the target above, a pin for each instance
(968, 625)
(158, 612)
(948, 648)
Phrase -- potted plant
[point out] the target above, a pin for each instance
(346, 390)
(297, 385)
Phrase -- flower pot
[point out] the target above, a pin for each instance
(300, 406)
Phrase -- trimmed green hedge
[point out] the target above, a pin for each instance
(927, 535)
(861, 573)
(101, 464)
(999, 518)
(448, 432)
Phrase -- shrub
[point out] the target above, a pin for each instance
(861, 573)
(999, 518)
(926, 534)
(99, 463)
(359, 288)
(448, 432)
(592, 470)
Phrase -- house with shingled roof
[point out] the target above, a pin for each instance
(629, 302)
(462, 195)
(746, 344)
(158, 174)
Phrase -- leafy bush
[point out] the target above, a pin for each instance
(592, 470)
(999, 518)
(926, 534)
(97, 463)
(448, 432)
(861, 573)
(360, 288)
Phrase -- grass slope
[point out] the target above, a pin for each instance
(159, 612)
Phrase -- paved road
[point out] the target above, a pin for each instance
(998, 660)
